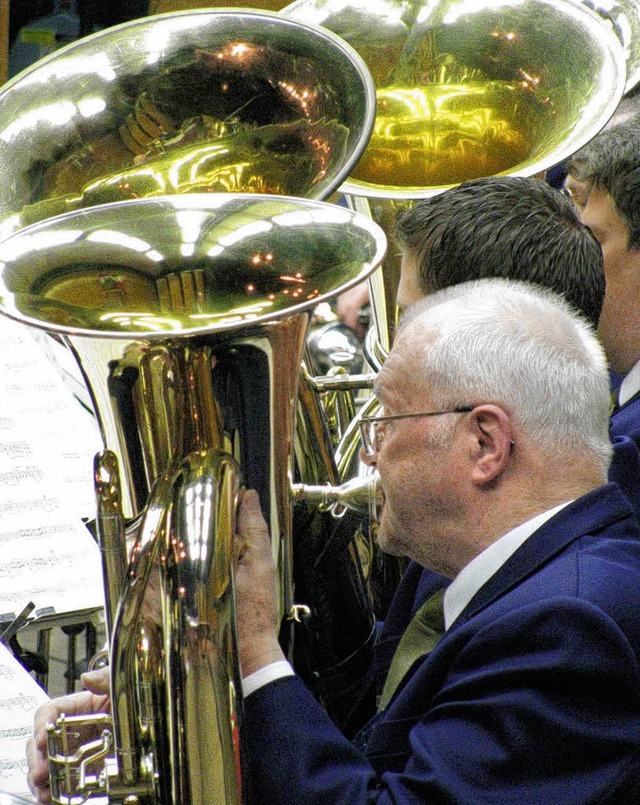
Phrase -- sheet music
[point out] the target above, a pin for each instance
(47, 555)
(20, 697)
(47, 444)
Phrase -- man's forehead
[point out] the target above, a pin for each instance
(402, 368)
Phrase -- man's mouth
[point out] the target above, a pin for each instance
(379, 500)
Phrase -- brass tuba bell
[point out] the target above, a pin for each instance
(468, 88)
(200, 101)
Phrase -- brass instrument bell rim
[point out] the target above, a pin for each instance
(610, 44)
(374, 351)
(251, 14)
(211, 202)
(267, 28)
(630, 12)
(633, 80)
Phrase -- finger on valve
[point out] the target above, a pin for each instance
(93, 700)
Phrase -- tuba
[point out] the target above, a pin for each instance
(187, 316)
(152, 218)
(201, 101)
(465, 90)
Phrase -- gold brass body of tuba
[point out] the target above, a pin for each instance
(200, 101)
(467, 89)
(193, 368)
(187, 316)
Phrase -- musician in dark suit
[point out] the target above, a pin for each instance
(522, 229)
(607, 171)
(519, 229)
(492, 450)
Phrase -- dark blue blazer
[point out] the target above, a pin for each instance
(624, 430)
(531, 698)
(625, 421)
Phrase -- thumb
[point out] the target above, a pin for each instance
(96, 681)
(251, 523)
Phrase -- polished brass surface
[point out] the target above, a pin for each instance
(383, 284)
(183, 265)
(175, 677)
(624, 16)
(78, 748)
(188, 317)
(164, 6)
(629, 21)
(468, 89)
(111, 533)
(194, 101)
(360, 494)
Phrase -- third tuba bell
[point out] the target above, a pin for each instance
(468, 89)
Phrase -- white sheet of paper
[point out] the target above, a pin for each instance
(47, 444)
(20, 696)
(47, 555)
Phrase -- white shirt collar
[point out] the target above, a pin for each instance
(630, 385)
(480, 569)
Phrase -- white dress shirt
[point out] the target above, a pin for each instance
(480, 569)
(630, 385)
(461, 590)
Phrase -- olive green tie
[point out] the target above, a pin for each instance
(613, 401)
(421, 637)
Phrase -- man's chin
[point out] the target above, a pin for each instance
(386, 539)
(390, 549)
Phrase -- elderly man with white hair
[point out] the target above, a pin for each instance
(492, 448)
(521, 682)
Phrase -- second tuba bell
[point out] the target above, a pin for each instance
(465, 90)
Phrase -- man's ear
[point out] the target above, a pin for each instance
(493, 443)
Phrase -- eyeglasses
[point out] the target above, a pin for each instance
(372, 436)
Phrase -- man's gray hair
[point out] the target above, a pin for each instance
(521, 347)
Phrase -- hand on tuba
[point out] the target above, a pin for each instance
(255, 586)
(95, 699)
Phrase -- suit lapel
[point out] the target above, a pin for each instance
(573, 522)
(631, 400)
